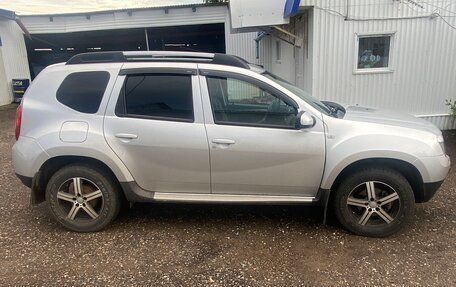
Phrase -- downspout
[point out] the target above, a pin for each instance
(347, 10)
(260, 36)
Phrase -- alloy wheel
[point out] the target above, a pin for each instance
(80, 199)
(373, 203)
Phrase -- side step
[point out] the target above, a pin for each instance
(198, 197)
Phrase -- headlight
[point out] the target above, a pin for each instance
(441, 142)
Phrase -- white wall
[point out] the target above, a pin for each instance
(285, 64)
(14, 58)
(4, 90)
(304, 54)
(283, 67)
(422, 55)
(239, 44)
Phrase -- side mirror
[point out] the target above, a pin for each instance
(304, 120)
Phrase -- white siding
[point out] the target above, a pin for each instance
(239, 44)
(5, 97)
(443, 122)
(14, 55)
(423, 62)
(423, 56)
(266, 52)
(121, 20)
(304, 54)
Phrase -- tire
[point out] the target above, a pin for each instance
(374, 202)
(82, 198)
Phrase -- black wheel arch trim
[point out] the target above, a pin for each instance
(421, 192)
(428, 192)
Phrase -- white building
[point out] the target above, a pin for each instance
(57, 37)
(13, 55)
(394, 54)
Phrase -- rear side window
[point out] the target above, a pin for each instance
(157, 96)
(83, 91)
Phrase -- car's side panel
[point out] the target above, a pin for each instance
(351, 141)
(165, 155)
(264, 160)
(41, 106)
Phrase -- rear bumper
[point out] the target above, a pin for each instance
(37, 189)
(26, 180)
(27, 156)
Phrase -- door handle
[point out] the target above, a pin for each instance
(126, 136)
(223, 141)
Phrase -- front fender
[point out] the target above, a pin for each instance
(349, 141)
(331, 174)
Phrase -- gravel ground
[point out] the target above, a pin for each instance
(218, 245)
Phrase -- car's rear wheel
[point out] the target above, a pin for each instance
(82, 198)
(374, 202)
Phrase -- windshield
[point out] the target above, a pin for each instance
(300, 93)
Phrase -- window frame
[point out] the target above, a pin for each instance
(120, 109)
(58, 91)
(273, 91)
(278, 54)
(389, 69)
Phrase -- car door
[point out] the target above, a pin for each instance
(255, 147)
(154, 124)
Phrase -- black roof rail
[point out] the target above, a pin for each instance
(230, 60)
(158, 56)
(97, 57)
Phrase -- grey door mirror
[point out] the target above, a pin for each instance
(304, 120)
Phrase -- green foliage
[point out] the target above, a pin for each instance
(452, 104)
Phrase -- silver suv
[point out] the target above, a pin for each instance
(106, 128)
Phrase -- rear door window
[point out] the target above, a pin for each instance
(83, 91)
(157, 96)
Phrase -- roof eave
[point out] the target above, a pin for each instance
(11, 15)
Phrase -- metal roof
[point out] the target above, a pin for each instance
(11, 15)
(177, 6)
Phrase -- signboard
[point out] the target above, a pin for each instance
(255, 13)
(291, 8)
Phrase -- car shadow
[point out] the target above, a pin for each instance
(193, 212)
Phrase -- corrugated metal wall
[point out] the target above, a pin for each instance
(14, 54)
(123, 20)
(423, 56)
(240, 44)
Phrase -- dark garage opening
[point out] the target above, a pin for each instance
(47, 49)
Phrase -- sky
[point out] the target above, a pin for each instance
(69, 6)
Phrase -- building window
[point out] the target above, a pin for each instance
(278, 51)
(374, 53)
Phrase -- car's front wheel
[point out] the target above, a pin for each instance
(374, 202)
(83, 198)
